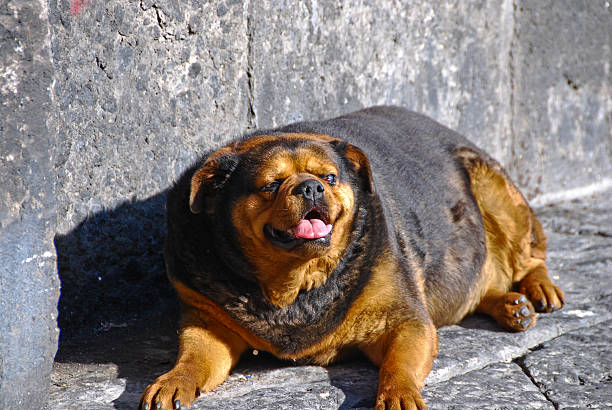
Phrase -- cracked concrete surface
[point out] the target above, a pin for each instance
(565, 361)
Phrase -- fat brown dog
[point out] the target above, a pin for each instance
(363, 233)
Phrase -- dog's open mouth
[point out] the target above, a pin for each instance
(312, 227)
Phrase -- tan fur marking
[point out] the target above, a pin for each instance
(507, 226)
(208, 351)
(377, 315)
(516, 248)
(403, 349)
(282, 274)
(376, 312)
(405, 357)
(214, 313)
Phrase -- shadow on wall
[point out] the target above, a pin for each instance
(111, 267)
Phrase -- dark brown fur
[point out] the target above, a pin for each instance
(427, 229)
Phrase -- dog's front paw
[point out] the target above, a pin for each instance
(172, 390)
(399, 396)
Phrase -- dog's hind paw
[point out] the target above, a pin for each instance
(545, 295)
(516, 312)
(512, 310)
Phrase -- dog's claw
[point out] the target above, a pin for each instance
(525, 311)
(146, 406)
(540, 306)
(177, 404)
(158, 405)
(525, 323)
(521, 299)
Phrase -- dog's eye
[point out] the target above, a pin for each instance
(330, 179)
(271, 186)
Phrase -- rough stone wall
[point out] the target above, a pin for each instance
(118, 96)
(561, 95)
(29, 286)
(141, 88)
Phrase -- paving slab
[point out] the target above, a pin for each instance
(564, 361)
(501, 385)
(575, 370)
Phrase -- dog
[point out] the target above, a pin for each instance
(363, 233)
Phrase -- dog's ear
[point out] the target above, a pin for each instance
(358, 161)
(209, 178)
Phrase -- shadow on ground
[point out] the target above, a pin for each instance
(115, 296)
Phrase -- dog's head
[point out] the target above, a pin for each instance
(291, 200)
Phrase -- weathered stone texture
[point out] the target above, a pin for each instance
(575, 370)
(141, 88)
(316, 59)
(499, 386)
(562, 94)
(28, 278)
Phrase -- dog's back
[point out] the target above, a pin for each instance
(430, 209)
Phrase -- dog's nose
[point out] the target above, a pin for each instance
(310, 189)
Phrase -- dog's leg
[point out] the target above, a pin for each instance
(207, 353)
(405, 357)
(516, 249)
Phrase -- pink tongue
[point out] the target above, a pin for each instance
(311, 229)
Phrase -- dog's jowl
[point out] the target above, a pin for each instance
(363, 233)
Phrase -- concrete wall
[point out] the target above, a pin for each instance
(105, 102)
(29, 285)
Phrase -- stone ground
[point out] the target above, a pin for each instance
(565, 361)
